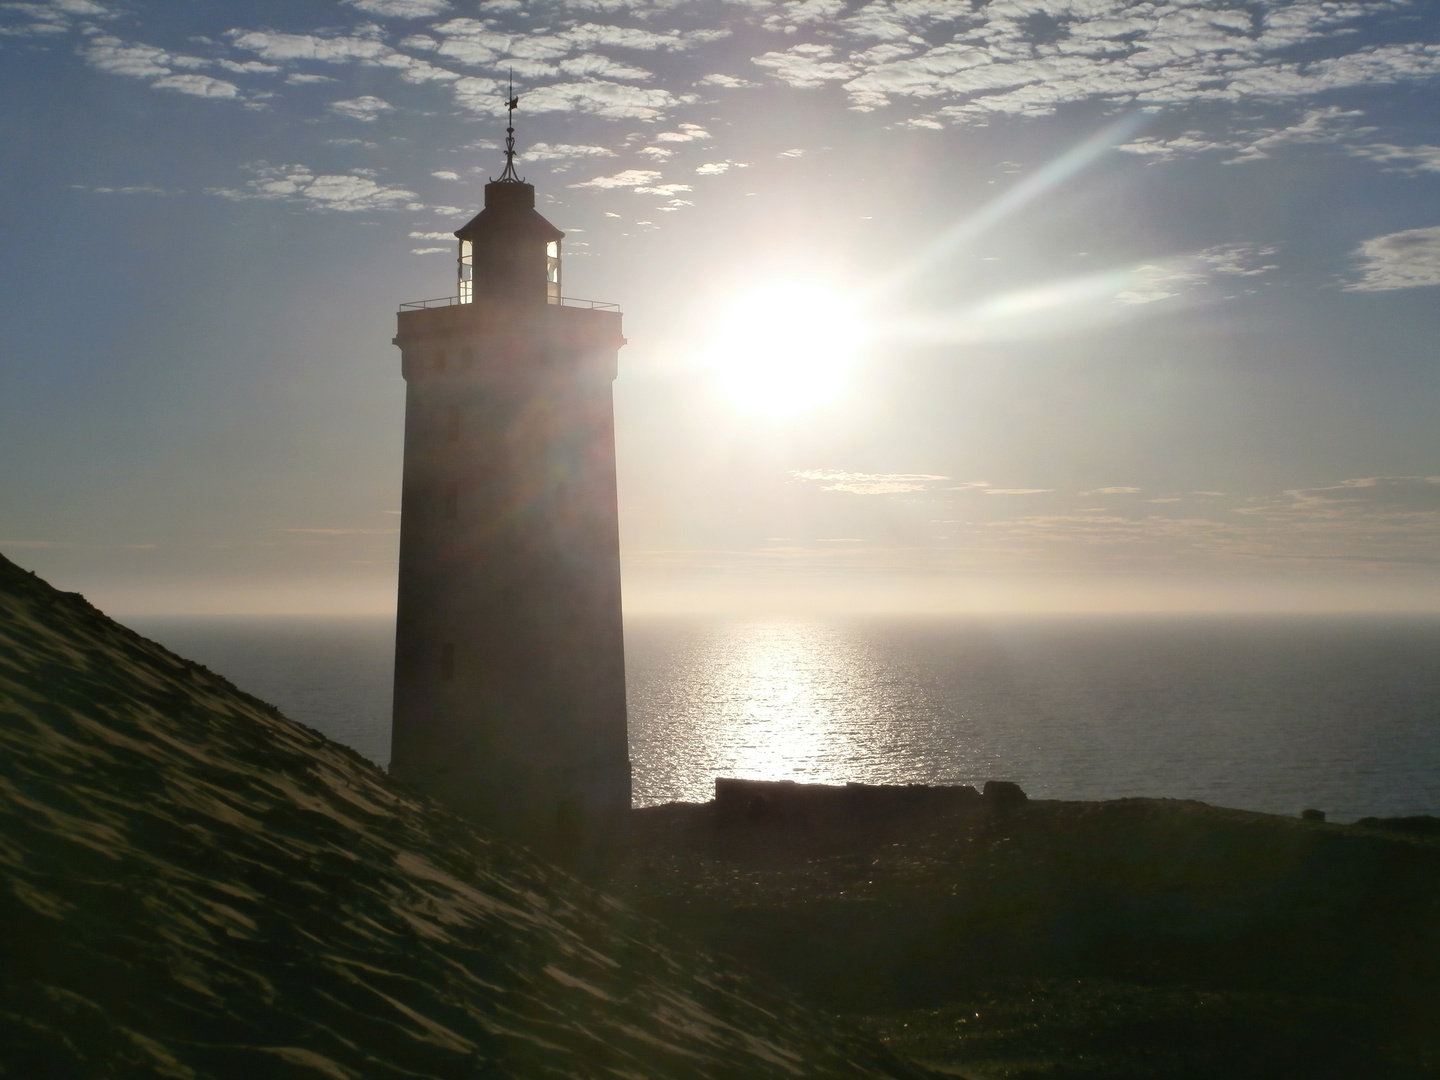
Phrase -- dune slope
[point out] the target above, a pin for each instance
(192, 885)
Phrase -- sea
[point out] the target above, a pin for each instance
(1269, 713)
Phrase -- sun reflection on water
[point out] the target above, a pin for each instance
(1264, 714)
(782, 700)
(767, 701)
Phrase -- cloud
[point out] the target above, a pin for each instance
(470, 41)
(866, 483)
(116, 57)
(631, 178)
(726, 82)
(400, 9)
(1027, 59)
(364, 108)
(665, 189)
(1110, 490)
(714, 168)
(1402, 494)
(1237, 260)
(1329, 125)
(197, 85)
(1409, 160)
(297, 184)
(562, 151)
(595, 65)
(341, 49)
(446, 174)
(1017, 491)
(478, 42)
(431, 236)
(1326, 126)
(1372, 523)
(1177, 276)
(1409, 259)
(49, 18)
(793, 14)
(366, 50)
(687, 133)
(806, 66)
(136, 189)
(138, 61)
(597, 97)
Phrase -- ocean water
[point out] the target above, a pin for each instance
(1262, 713)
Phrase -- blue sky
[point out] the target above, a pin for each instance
(1148, 294)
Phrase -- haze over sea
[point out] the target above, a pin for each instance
(1276, 714)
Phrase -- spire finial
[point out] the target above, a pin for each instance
(511, 103)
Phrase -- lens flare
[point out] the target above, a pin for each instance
(1042, 181)
(786, 348)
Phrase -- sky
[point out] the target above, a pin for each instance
(932, 305)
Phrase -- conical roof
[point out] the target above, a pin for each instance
(509, 212)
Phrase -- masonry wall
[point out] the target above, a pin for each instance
(510, 676)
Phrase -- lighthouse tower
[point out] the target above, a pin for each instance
(509, 659)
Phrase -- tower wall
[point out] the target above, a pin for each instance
(509, 662)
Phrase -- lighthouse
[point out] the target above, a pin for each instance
(509, 656)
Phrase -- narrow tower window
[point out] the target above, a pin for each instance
(452, 424)
(466, 272)
(452, 500)
(552, 272)
(447, 661)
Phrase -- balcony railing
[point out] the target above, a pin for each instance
(452, 301)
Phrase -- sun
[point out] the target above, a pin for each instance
(786, 348)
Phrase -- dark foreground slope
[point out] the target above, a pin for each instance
(193, 886)
(1140, 939)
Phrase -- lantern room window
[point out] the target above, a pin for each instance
(466, 272)
(552, 272)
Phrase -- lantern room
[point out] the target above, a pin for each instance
(508, 251)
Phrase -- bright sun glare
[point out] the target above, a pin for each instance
(784, 348)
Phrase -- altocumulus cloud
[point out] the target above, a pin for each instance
(365, 108)
(542, 151)
(297, 184)
(1030, 58)
(367, 50)
(400, 9)
(1380, 523)
(116, 57)
(857, 483)
(630, 178)
(49, 18)
(1408, 259)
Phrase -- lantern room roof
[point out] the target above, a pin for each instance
(509, 211)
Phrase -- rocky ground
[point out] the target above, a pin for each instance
(192, 886)
(1131, 939)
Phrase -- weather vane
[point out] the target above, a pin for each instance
(511, 103)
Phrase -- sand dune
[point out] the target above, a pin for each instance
(195, 886)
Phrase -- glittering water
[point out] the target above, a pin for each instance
(1272, 714)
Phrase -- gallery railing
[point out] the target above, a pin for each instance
(452, 301)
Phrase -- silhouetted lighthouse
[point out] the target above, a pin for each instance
(509, 659)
